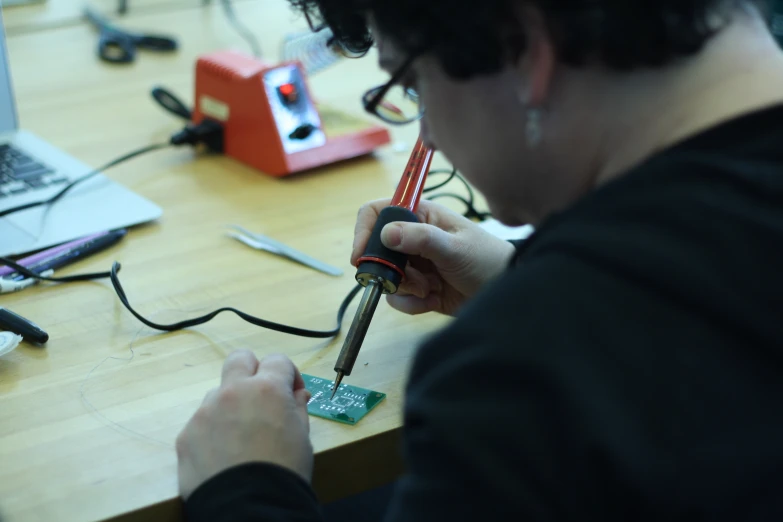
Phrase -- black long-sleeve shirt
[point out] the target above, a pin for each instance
(627, 366)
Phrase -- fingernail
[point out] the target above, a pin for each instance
(391, 235)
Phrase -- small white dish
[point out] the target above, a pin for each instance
(8, 341)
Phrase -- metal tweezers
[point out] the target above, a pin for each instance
(261, 242)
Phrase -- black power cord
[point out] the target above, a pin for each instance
(113, 275)
(66, 279)
(434, 172)
(190, 136)
(85, 177)
(171, 103)
(263, 323)
(187, 323)
(471, 212)
(208, 132)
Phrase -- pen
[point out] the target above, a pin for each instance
(78, 252)
(19, 325)
(44, 255)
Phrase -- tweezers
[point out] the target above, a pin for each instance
(267, 244)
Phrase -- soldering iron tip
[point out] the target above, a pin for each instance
(337, 382)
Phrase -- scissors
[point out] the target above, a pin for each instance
(116, 45)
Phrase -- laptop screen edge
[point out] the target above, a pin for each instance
(9, 120)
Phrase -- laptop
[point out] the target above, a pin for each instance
(32, 170)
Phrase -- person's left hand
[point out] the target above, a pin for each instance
(258, 414)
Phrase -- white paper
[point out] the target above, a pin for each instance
(500, 230)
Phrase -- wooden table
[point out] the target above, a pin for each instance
(87, 423)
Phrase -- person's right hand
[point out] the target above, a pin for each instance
(449, 256)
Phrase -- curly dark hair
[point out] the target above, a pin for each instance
(472, 37)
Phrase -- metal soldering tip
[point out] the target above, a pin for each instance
(337, 382)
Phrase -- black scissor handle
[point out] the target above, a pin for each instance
(155, 43)
(116, 47)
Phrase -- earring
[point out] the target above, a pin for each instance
(533, 127)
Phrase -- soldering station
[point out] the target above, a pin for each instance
(264, 115)
(268, 116)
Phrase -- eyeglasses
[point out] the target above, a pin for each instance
(331, 42)
(393, 102)
(314, 28)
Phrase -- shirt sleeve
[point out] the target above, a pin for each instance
(254, 492)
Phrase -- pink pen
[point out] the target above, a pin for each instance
(45, 255)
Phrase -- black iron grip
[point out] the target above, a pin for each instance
(376, 249)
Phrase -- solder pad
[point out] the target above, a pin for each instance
(350, 403)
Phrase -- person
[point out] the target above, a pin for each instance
(625, 362)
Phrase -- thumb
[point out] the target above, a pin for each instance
(419, 239)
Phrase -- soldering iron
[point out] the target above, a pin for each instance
(380, 270)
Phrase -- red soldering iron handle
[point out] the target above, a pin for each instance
(382, 264)
(411, 184)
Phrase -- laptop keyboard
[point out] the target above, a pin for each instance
(19, 173)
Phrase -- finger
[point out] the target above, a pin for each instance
(440, 216)
(279, 369)
(422, 265)
(185, 473)
(432, 283)
(365, 221)
(210, 397)
(428, 212)
(412, 305)
(436, 283)
(420, 239)
(240, 364)
(186, 469)
(298, 381)
(302, 397)
(415, 283)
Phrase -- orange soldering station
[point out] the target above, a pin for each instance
(269, 118)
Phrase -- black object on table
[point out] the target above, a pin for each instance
(117, 45)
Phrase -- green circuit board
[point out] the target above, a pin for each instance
(350, 403)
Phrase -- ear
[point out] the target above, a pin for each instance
(537, 65)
